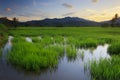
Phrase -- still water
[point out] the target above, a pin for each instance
(66, 70)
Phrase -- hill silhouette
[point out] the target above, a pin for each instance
(59, 22)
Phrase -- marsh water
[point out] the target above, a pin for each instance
(67, 69)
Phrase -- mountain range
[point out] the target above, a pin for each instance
(59, 22)
(67, 21)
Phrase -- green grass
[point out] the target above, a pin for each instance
(114, 48)
(71, 53)
(106, 69)
(18, 39)
(3, 34)
(43, 53)
(36, 39)
(58, 49)
(59, 39)
(33, 58)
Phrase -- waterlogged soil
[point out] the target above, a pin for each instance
(67, 69)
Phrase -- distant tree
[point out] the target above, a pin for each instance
(116, 16)
(15, 22)
(113, 21)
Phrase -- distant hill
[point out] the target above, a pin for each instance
(60, 22)
(67, 21)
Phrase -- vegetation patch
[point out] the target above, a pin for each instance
(3, 34)
(107, 69)
(33, 58)
(45, 51)
(114, 48)
(71, 53)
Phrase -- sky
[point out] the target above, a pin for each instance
(25, 10)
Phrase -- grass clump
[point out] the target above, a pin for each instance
(33, 58)
(106, 69)
(114, 48)
(18, 39)
(36, 39)
(47, 40)
(89, 42)
(71, 52)
(59, 39)
(58, 49)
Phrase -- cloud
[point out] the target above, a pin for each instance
(45, 3)
(34, 2)
(35, 15)
(68, 14)
(95, 1)
(106, 14)
(90, 11)
(8, 9)
(69, 6)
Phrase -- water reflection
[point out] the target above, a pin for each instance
(6, 49)
(28, 39)
(97, 54)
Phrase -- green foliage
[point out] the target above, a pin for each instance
(58, 49)
(106, 69)
(18, 39)
(3, 34)
(71, 52)
(114, 48)
(3, 27)
(36, 39)
(31, 57)
(59, 39)
(46, 52)
(89, 42)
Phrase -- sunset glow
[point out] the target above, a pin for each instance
(97, 10)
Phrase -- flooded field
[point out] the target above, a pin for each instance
(67, 68)
(61, 54)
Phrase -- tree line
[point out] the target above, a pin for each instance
(114, 22)
(10, 23)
